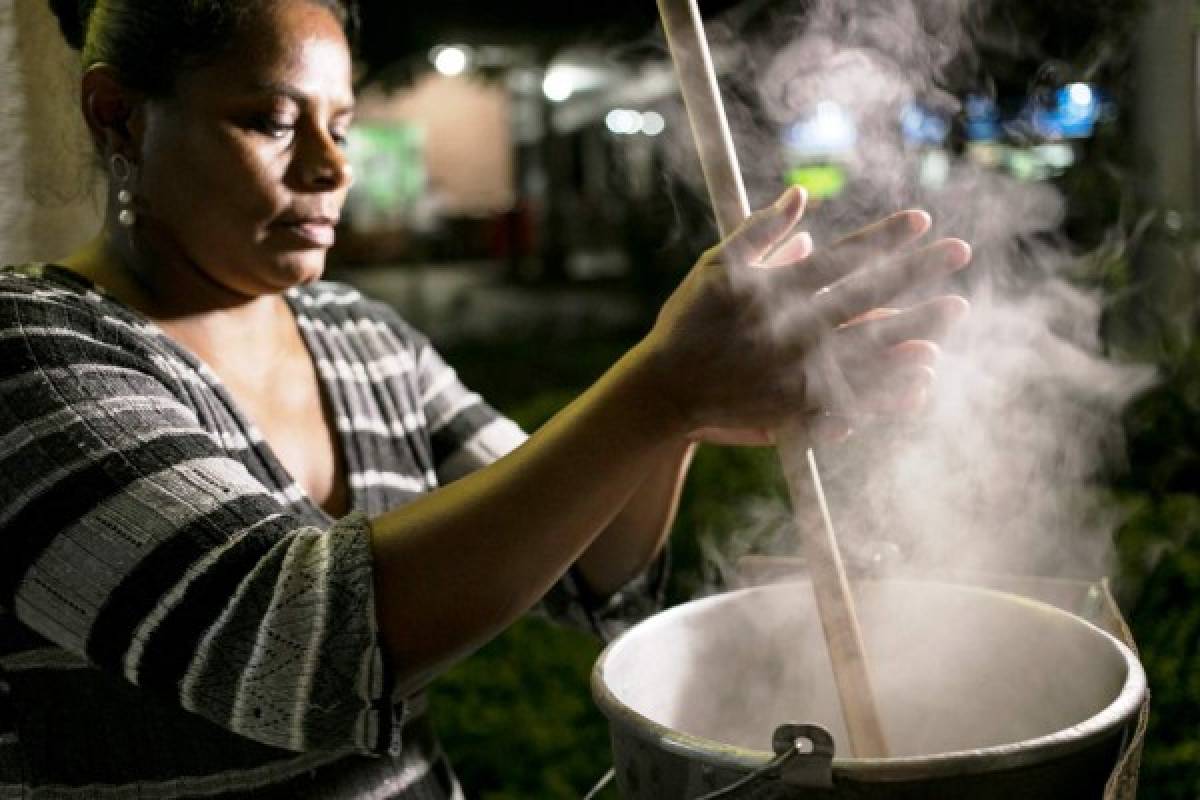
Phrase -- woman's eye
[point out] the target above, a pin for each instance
(273, 126)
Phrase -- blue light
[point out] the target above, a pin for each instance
(1076, 110)
(983, 120)
(922, 126)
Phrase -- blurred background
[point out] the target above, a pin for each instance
(526, 194)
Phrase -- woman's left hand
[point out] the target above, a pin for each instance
(907, 397)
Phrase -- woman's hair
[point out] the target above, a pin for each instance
(150, 42)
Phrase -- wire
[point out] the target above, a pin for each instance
(605, 780)
(764, 771)
(761, 772)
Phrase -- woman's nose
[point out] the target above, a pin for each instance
(324, 165)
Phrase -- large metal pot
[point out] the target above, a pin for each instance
(983, 694)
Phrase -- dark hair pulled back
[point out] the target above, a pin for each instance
(150, 42)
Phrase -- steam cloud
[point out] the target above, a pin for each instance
(1000, 474)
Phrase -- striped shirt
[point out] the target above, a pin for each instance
(177, 617)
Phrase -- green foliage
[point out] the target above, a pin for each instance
(517, 718)
(1166, 623)
(1160, 555)
(1164, 428)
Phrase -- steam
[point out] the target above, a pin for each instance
(1000, 473)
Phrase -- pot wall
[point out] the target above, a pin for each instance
(982, 694)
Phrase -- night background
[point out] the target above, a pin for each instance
(527, 194)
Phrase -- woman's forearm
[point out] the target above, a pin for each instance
(455, 567)
(640, 529)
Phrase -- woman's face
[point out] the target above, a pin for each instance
(242, 170)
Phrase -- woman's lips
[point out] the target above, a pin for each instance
(314, 232)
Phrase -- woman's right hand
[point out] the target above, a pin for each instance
(764, 333)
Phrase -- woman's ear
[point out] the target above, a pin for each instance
(112, 110)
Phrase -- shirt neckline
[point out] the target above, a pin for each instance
(65, 275)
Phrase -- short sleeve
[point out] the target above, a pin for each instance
(466, 433)
(130, 537)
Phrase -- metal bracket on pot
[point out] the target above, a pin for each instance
(805, 755)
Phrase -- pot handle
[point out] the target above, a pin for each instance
(807, 755)
(803, 757)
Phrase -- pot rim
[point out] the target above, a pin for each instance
(1124, 707)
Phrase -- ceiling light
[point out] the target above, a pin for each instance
(450, 60)
(558, 84)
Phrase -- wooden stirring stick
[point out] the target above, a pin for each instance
(835, 605)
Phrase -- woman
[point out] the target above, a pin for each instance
(246, 516)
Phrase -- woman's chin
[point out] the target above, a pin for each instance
(299, 270)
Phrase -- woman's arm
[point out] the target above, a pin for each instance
(132, 535)
(734, 349)
(636, 535)
(455, 567)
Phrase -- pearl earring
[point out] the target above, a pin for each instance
(123, 173)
